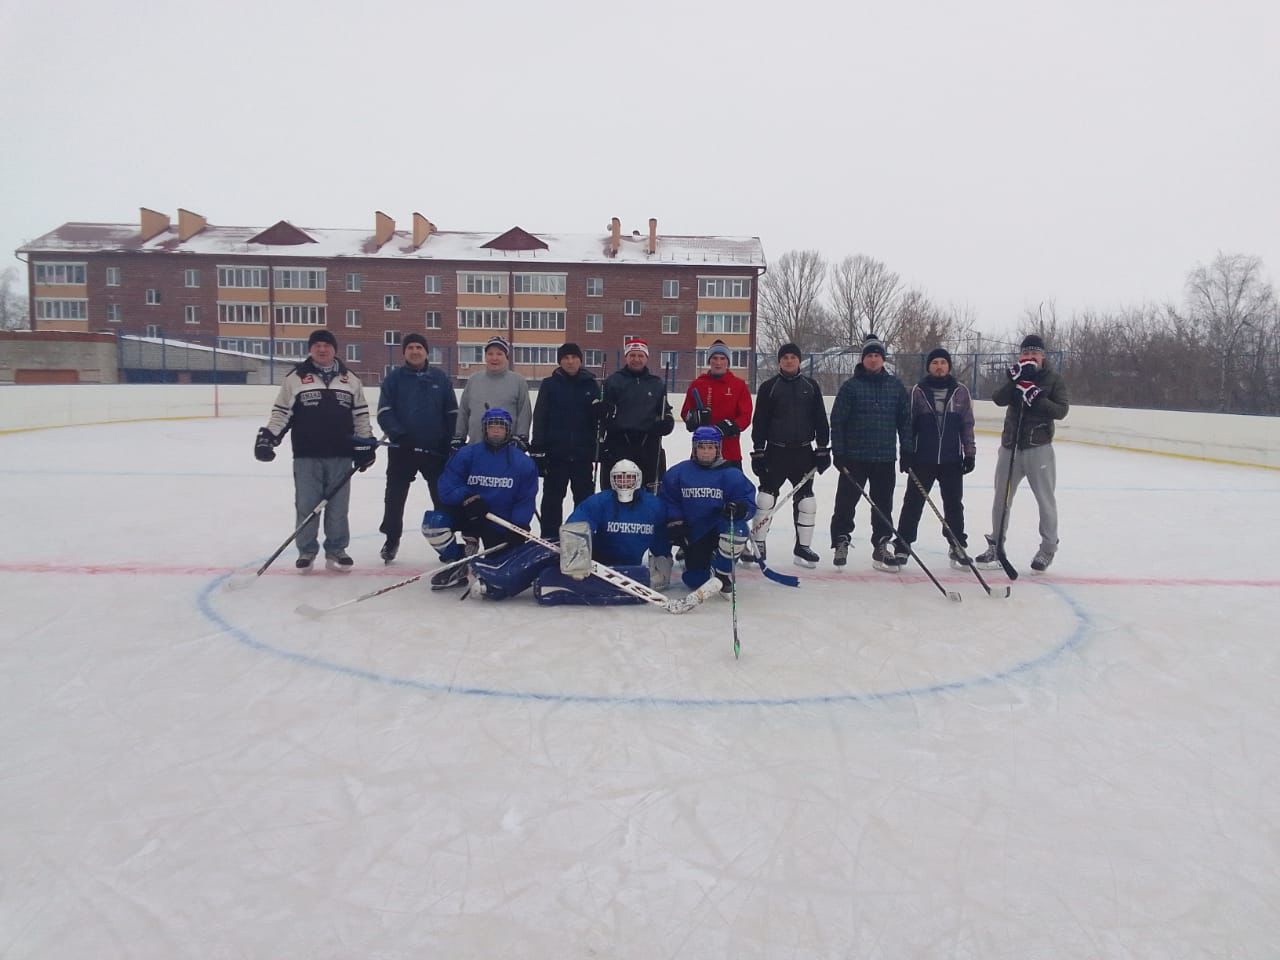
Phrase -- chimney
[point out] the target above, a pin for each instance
(153, 223)
(189, 224)
(422, 229)
(383, 228)
(653, 236)
(615, 236)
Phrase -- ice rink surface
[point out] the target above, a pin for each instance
(1089, 769)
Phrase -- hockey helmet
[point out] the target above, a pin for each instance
(625, 478)
(495, 416)
(703, 437)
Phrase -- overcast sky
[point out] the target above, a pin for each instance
(996, 154)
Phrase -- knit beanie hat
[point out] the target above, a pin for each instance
(417, 338)
(720, 348)
(568, 350)
(1032, 342)
(636, 344)
(322, 336)
(789, 348)
(939, 353)
(872, 345)
(501, 343)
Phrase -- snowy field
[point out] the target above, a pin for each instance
(1089, 769)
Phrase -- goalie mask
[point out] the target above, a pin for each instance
(706, 445)
(496, 426)
(625, 478)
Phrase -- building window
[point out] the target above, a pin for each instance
(433, 320)
(631, 308)
(297, 278)
(259, 347)
(724, 322)
(353, 318)
(482, 319)
(243, 277)
(113, 276)
(62, 309)
(292, 348)
(593, 358)
(391, 302)
(153, 296)
(595, 323)
(670, 359)
(391, 338)
(539, 319)
(737, 358)
(470, 353)
(552, 283)
(240, 313)
(543, 355)
(191, 278)
(113, 313)
(483, 282)
(671, 289)
(301, 314)
(191, 313)
(60, 273)
(670, 324)
(431, 284)
(595, 286)
(353, 283)
(153, 331)
(353, 353)
(737, 288)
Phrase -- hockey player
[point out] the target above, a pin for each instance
(322, 403)
(790, 415)
(635, 416)
(564, 444)
(497, 385)
(942, 428)
(708, 506)
(492, 476)
(720, 399)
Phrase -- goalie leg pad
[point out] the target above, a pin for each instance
(553, 588)
(511, 572)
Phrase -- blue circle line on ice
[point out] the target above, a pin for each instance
(1083, 626)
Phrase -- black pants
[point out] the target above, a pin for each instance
(878, 480)
(403, 466)
(564, 475)
(643, 449)
(950, 477)
(787, 465)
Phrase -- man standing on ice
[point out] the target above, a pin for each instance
(321, 403)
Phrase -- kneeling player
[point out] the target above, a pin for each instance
(492, 476)
(708, 503)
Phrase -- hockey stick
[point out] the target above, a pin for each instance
(949, 594)
(307, 610)
(1003, 557)
(786, 579)
(951, 537)
(759, 521)
(608, 575)
(239, 583)
(733, 587)
(783, 578)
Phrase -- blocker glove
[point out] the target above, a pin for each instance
(967, 464)
(822, 459)
(734, 510)
(264, 448)
(1029, 391)
(474, 507)
(678, 532)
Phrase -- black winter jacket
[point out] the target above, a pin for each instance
(563, 425)
(790, 413)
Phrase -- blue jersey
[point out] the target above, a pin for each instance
(506, 478)
(622, 532)
(697, 494)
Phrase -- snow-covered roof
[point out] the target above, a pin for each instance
(441, 245)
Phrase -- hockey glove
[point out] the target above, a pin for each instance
(1023, 369)
(678, 532)
(474, 507)
(539, 458)
(844, 463)
(456, 444)
(264, 448)
(522, 442)
(697, 418)
(664, 426)
(822, 459)
(728, 428)
(967, 464)
(906, 461)
(1029, 391)
(364, 451)
(759, 463)
(514, 538)
(734, 510)
(603, 410)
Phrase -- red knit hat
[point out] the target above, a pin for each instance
(637, 344)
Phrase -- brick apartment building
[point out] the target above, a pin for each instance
(263, 291)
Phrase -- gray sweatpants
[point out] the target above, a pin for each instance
(313, 477)
(1040, 468)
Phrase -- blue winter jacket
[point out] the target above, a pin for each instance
(622, 532)
(696, 494)
(418, 408)
(506, 478)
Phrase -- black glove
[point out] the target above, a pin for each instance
(844, 463)
(678, 532)
(906, 461)
(603, 410)
(474, 507)
(822, 459)
(663, 427)
(514, 538)
(522, 442)
(698, 417)
(1029, 391)
(966, 465)
(364, 451)
(734, 510)
(728, 428)
(264, 448)
(456, 444)
(539, 458)
(759, 463)
(1023, 369)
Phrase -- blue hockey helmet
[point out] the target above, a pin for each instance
(703, 436)
(494, 416)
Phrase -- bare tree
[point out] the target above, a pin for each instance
(1226, 298)
(789, 306)
(863, 299)
(13, 303)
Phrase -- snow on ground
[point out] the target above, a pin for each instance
(1088, 769)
